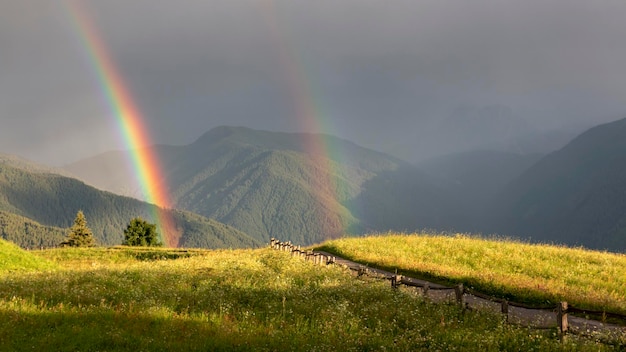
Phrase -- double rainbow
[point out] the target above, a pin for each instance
(145, 162)
(129, 119)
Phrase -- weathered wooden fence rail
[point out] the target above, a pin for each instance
(296, 251)
(562, 309)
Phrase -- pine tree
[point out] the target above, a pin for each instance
(80, 234)
(141, 233)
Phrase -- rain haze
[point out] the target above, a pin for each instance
(396, 76)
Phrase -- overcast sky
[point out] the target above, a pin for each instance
(375, 69)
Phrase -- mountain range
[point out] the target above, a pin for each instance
(266, 184)
(270, 184)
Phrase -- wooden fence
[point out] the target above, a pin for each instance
(562, 309)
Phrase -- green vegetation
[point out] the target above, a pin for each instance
(80, 234)
(13, 259)
(265, 184)
(28, 233)
(236, 300)
(35, 208)
(141, 233)
(517, 271)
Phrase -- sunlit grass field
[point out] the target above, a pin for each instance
(14, 259)
(248, 300)
(521, 272)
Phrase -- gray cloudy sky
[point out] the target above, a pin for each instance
(377, 70)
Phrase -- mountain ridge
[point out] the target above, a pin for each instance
(269, 183)
(574, 195)
(52, 200)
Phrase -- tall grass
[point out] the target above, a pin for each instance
(240, 300)
(518, 271)
(13, 258)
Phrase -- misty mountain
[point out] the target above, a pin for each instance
(469, 129)
(575, 195)
(48, 202)
(471, 180)
(270, 184)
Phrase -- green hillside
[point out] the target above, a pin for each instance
(574, 195)
(521, 272)
(13, 258)
(268, 184)
(53, 200)
(28, 233)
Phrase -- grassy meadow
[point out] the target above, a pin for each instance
(521, 272)
(14, 259)
(121, 299)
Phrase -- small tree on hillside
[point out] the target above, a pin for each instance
(80, 234)
(141, 233)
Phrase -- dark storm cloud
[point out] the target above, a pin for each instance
(382, 70)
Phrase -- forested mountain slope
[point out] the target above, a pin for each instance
(28, 233)
(52, 200)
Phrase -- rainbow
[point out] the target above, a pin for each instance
(130, 121)
(310, 116)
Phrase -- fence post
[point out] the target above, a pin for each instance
(459, 290)
(561, 318)
(396, 280)
(505, 309)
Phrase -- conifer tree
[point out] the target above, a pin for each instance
(80, 234)
(139, 232)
